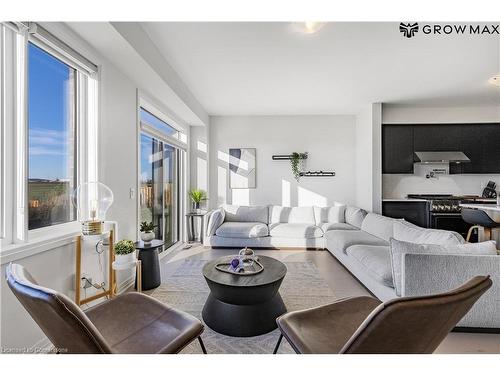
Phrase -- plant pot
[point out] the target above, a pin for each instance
(196, 207)
(125, 258)
(147, 236)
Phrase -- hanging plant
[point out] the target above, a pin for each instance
(295, 161)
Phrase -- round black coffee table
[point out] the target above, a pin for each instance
(244, 305)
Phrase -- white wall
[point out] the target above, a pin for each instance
(399, 186)
(330, 141)
(368, 158)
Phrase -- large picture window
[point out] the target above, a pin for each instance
(51, 139)
(49, 112)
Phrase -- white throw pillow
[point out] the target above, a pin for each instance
(354, 216)
(215, 221)
(335, 214)
(404, 231)
(400, 248)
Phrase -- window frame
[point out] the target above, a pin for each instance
(15, 105)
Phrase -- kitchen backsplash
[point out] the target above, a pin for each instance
(400, 185)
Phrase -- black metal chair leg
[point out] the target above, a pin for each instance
(278, 344)
(202, 345)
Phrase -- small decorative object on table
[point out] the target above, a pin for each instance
(245, 263)
(125, 251)
(147, 234)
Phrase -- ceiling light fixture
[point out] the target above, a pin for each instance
(495, 80)
(308, 27)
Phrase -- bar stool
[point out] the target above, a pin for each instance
(478, 219)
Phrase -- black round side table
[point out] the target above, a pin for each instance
(148, 255)
(244, 305)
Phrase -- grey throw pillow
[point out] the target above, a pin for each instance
(400, 248)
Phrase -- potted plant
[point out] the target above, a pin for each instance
(124, 251)
(197, 196)
(147, 234)
(295, 162)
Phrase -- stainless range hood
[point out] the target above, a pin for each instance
(432, 157)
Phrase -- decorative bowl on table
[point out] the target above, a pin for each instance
(245, 263)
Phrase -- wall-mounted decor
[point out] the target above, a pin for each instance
(317, 174)
(289, 157)
(242, 164)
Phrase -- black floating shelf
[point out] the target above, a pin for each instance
(317, 174)
(287, 157)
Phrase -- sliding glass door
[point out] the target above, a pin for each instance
(159, 181)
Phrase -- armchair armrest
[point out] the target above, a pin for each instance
(425, 274)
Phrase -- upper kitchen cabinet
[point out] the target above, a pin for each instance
(480, 142)
(438, 137)
(490, 148)
(397, 149)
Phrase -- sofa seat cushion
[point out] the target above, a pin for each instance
(242, 230)
(325, 227)
(295, 230)
(376, 260)
(340, 240)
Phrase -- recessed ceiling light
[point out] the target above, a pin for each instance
(495, 80)
(308, 27)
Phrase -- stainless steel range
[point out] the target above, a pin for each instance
(444, 211)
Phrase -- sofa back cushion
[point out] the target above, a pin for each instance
(379, 226)
(335, 214)
(355, 216)
(400, 248)
(405, 231)
(246, 213)
(280, 214)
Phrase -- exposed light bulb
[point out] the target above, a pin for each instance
(495, 80)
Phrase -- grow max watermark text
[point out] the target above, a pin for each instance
(410, 29)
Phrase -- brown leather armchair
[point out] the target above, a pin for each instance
(128, 323)
(410, 325)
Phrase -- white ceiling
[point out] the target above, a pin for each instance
(268, 68)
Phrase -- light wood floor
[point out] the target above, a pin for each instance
(342, 283)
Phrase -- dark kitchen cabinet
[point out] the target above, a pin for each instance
(471, 145)
(490, 148)
(416, 212)
(397, 149)
(480, 142)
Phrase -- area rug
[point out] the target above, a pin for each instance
(187, 290)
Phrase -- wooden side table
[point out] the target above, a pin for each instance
(78, 272)
(150, 263)
(190, 225)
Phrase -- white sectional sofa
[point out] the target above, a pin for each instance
(278, 226)
(366, 244)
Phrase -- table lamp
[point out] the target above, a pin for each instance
(92, 200)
